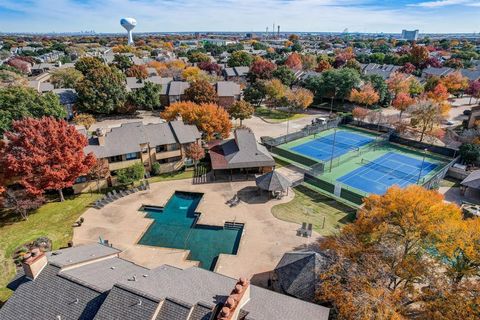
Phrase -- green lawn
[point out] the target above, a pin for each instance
(53, 220)
(187, 174)
(327, 215)
(275, 115)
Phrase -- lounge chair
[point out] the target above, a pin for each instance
(124, 193)
(301, 231)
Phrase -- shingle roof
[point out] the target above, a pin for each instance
(439, 72)
(227, 89)
(164, 293)
(298, 273)
(242, 152)
(66, 96)
(50, 296)
(177, 88)
(273, 181)
(128, 137)
(70, 256)
(473, 180)
(471, 74)
(383, 70)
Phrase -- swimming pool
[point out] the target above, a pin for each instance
(175, 226)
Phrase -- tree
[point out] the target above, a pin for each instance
(275, 91)
(241, 110)
(360, 113)
(366, 95)
(210, 67)
(10, 78)
(209, 118)
(131, 174)
(84, 119)
(18, 102)
(473, 90)
(284, 74)
(470, 153)
(380, 86)
(19, 65)
(137, 71)
(192, 74)
(439, 94)
(402, 102)
(455, 83)
(419, 56)
(22, 202)
(398, 83)
(195, 152)
(45, 154)
(261, 69)
(201, 91)
(255, 93)
(99, 171)
(299, 99)
(426, 114)
(323, 65)
(195, 57)
(146, 97)
(65, 78)
(239, 59)
(294, 61)
(122, 62)
(88, 64)
(408, 68)
(334, 83)
(394, 261)
(309, 61)
(102, 90)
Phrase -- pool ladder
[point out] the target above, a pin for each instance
(232, 225)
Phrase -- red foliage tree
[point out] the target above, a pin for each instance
(210, 67)
(408, 68)
(195, 152)
(473, 90)
(138, 71)
(294, 61)
(262, 68)
(402, 102)
(45, 154)
(19, 64)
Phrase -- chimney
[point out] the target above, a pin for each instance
(237, 299)
(33, 263)
(101, 136)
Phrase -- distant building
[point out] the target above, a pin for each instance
(410, 35)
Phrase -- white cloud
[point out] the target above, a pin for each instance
(444, 3)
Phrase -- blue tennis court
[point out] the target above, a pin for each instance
(321, 148)
(390, 169)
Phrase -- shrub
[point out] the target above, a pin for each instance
(131, 174)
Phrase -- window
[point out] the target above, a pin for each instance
(161, 148)
(173, 146)
(131, 156)
(115, 159)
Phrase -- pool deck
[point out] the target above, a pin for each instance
(264, 241)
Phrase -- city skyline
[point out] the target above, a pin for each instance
(368, 16)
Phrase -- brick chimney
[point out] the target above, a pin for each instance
(235, 301)
(101, 136)
(33, 263)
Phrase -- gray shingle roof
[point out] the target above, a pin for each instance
(245, 150)
(50, 296)
(165, 292)
(473, 180)
(66, 96)
(227, 89)
(128, 137)
(383, 70)
(126, 305)
(177, 88)
(439, 72)
(471, 74)
(273, 181)
(298, 273)
(70, 256)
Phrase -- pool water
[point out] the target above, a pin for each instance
(175, 226)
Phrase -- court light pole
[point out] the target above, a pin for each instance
(421, 168)
(333, 147)
(333, 97)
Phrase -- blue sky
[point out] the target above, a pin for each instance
(241, 15)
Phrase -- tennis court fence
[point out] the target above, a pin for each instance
(305, 132)
(336, 189)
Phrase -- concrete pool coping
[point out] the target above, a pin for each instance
(264, 238)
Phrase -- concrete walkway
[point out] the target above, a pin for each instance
(264, 241)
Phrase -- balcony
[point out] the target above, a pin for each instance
(168, 154)
(122, 164)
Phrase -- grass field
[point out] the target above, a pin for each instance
(275, 115)
(327, 215)
(53, 220)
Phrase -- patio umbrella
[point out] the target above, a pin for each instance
(273, 181)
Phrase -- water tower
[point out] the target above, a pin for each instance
(129, 24)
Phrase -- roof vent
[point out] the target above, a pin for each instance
(139, 303)
(134, 278)
(145, 275)
(112, 267)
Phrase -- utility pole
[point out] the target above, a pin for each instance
(421, 168)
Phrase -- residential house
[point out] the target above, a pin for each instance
(131, 143)
(92, 282)
(228, 93)
(41, 86)
(174, 92)
(240, 156)
(237, 74)
(437, 72)
(471, 74)
(133, 83)
(68, 97)
(382, 70)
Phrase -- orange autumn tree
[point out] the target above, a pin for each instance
(402, 102)
(397, 83)
(294, 61)
(45, 154)
(360, 113)
(427, 114)
(439, 93)
(299, 99)
(209, 118)
(455, 83)
(395, 260)
(366, 95)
